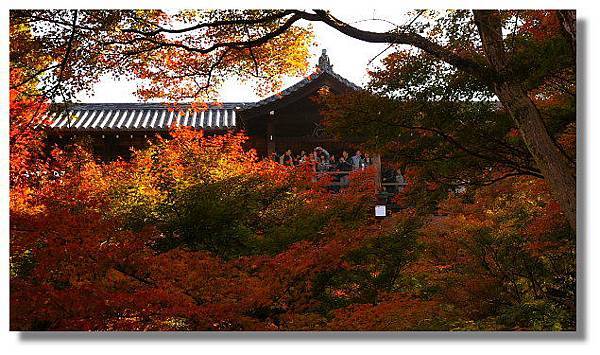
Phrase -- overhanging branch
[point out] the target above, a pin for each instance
(408, 38)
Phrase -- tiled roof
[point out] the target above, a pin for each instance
(158, 116)
(144, 116)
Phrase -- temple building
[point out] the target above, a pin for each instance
(290, 119)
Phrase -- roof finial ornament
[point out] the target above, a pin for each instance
(324, 63)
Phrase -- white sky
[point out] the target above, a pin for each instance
(350, 58)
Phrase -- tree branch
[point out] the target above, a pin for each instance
(264, 19)
(233, 45)
(409, 38)
(490, 31)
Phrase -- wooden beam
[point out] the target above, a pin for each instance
(270, 134)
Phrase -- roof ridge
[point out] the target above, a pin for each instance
(317, 73)
(152, 105)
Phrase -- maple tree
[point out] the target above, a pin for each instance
(122, 233)
(513, 238)
(195, 232)
(82, 46)
(181, 55)
(118, 246)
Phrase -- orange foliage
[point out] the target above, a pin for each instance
(78, 268)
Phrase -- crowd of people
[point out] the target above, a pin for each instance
(320, 160)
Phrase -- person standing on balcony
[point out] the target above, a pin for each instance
(358, 161)
(287, 159)
(400, 180)
(305, 158)
(313, 160)
(322, 159)
(275, 157)
(344, 165)
(332, 163)
(300, 158)
(320, 151)
(368, 160)
(323, 164)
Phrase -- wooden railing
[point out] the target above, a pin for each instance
(345, 180)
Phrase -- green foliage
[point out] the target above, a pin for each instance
(537, 315)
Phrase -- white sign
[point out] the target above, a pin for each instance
(380, 211)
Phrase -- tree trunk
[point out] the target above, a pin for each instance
(556, 167)
(568, 21)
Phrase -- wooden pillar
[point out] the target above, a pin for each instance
(377, 164)
(270, 133)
